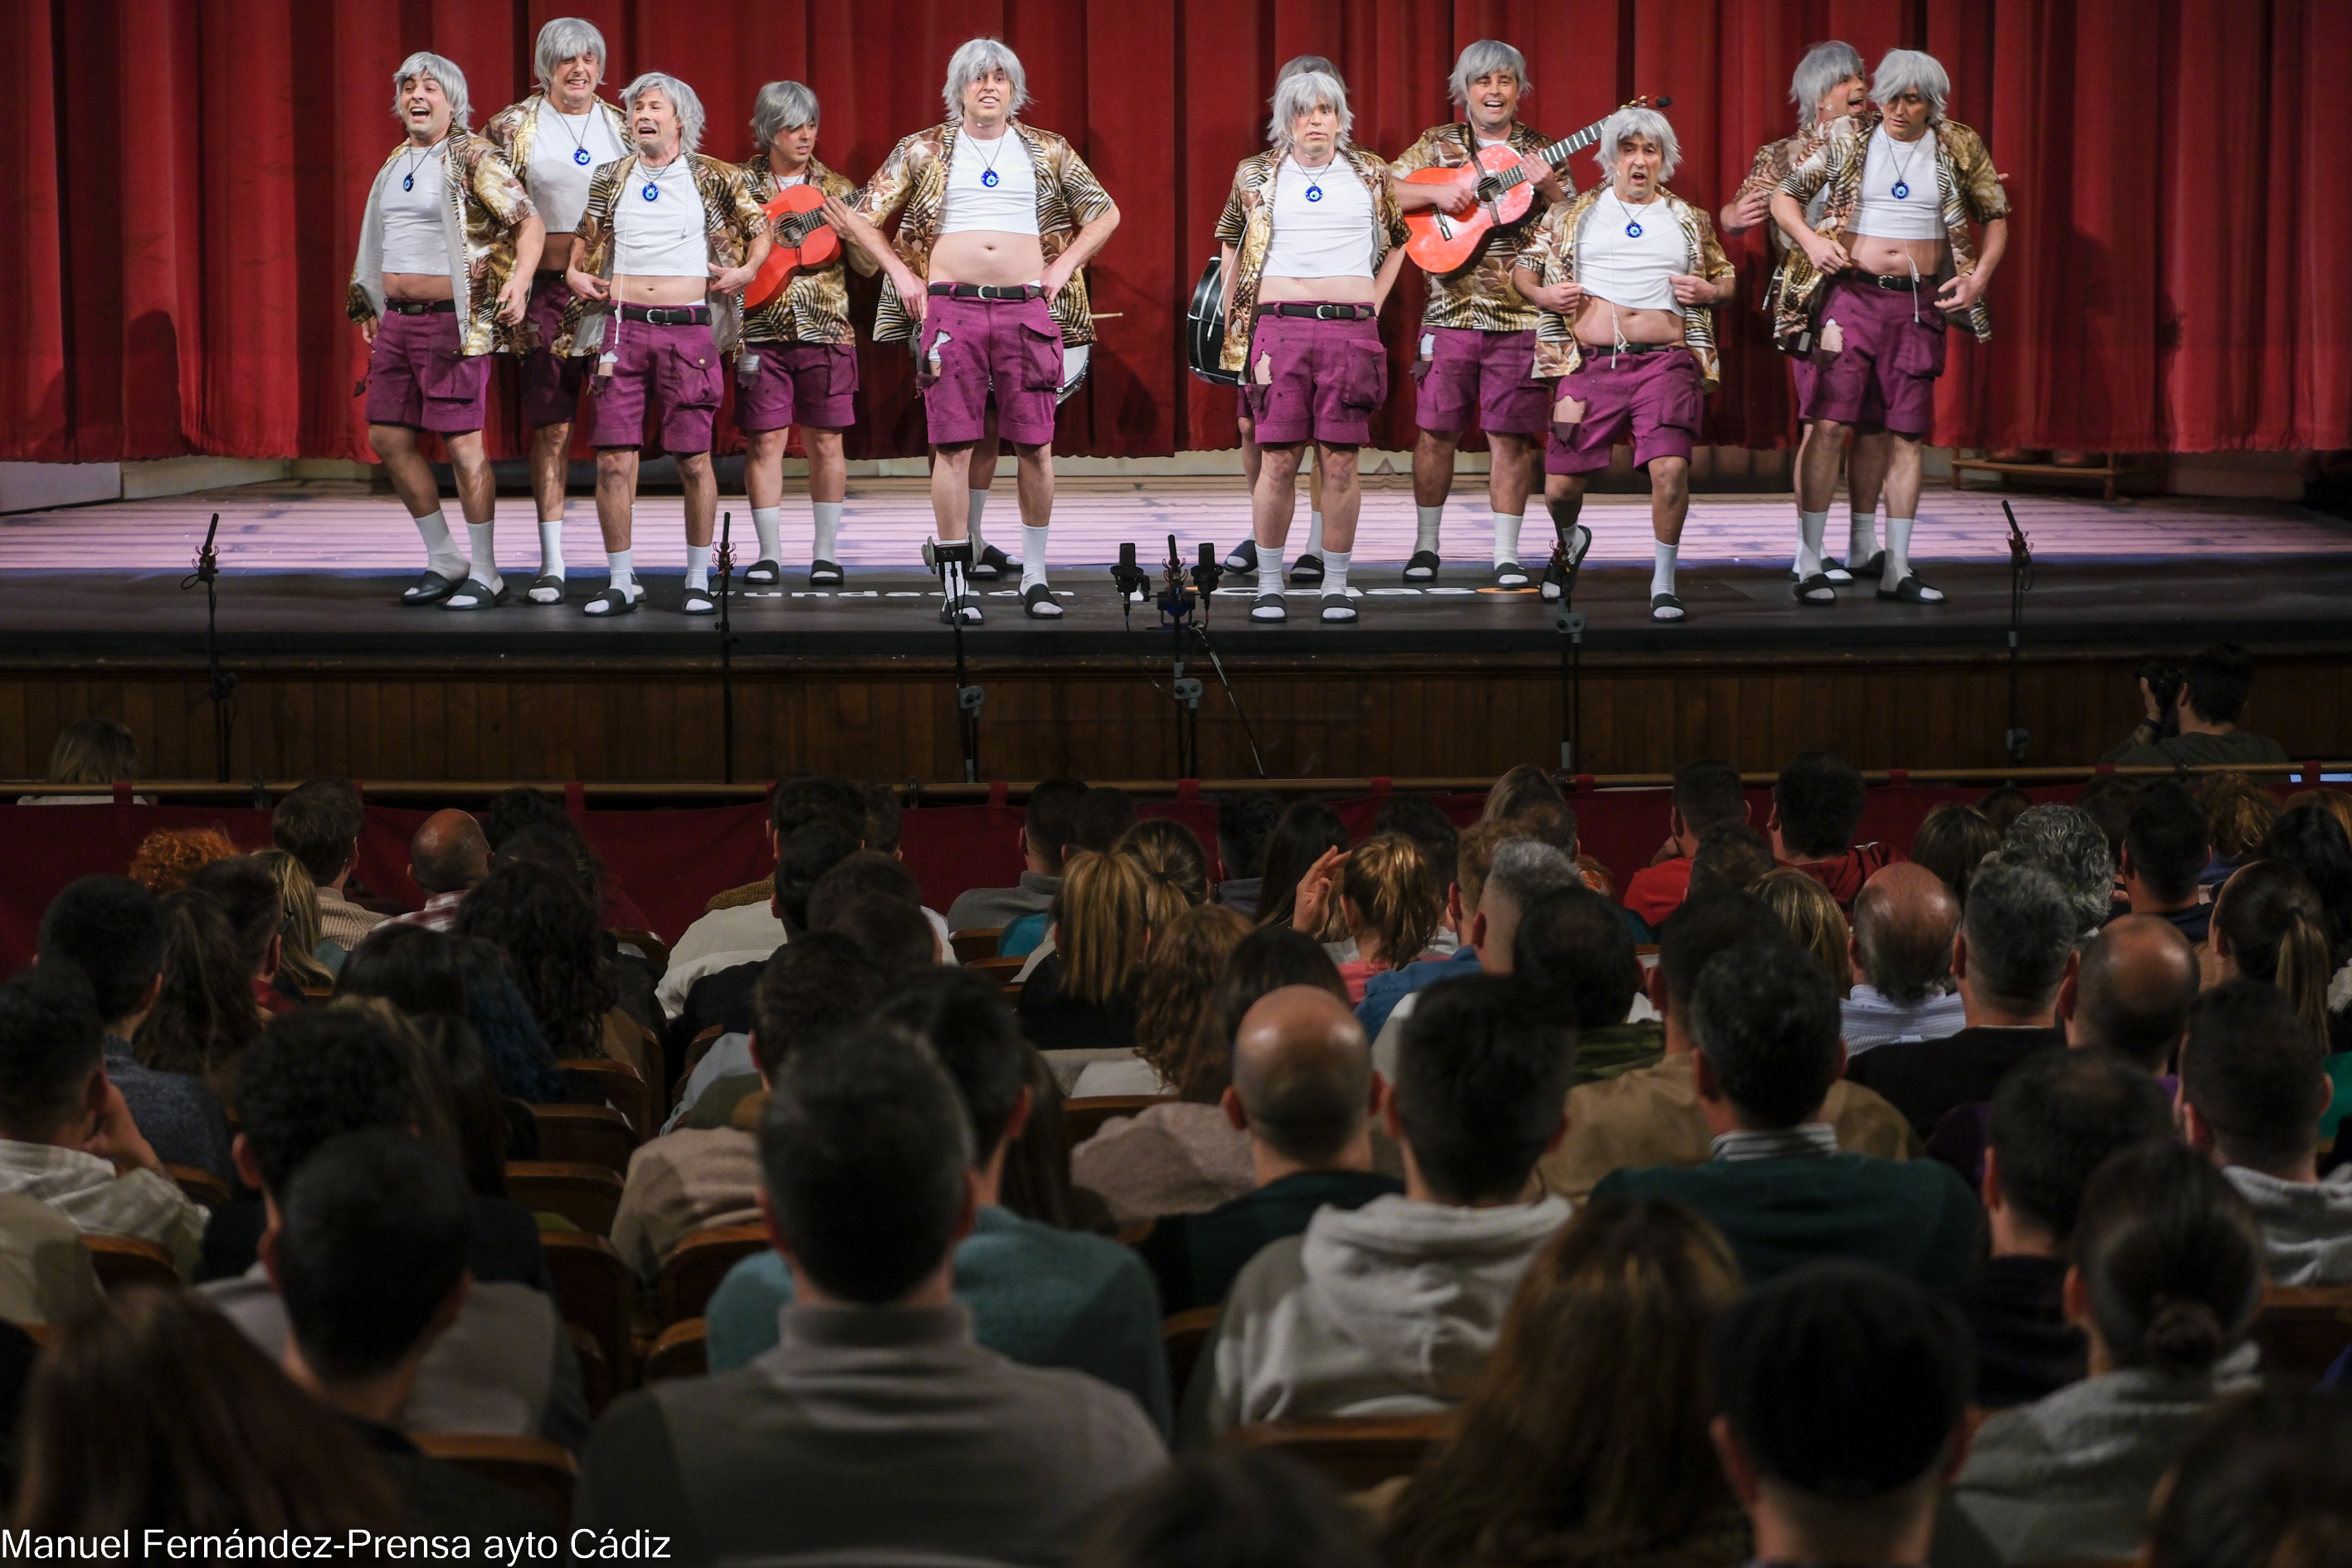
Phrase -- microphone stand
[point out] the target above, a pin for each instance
(1206, 575)
(952, 564)
(1570, 623)
(1176, 614)
(2020, 582)
(726, 564)
(220, 683)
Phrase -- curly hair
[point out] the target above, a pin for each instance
(205, 1015)
(547, 928)
(1176, 994)
(1176, 870)
(168, 857)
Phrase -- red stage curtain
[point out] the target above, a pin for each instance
(187, 197)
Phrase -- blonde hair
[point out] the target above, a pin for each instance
(2239, 814)
(1476, 857)
(94, 752)
(1386, 882)
(298, 895)
(1812, 918)
(1176, 873)
(1176, 999)
(1100, 923)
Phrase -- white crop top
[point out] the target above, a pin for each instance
(557, 177)
(1632, 270)
(1918, 211)
(415, 239)
(1008, 207)
(664, 238)
(1327, 235)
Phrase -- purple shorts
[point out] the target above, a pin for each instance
(1490, 375)
(674, 368)
(1657, 397)
(1802, 373)
(1312, 380)
(967, 349)
(416, 377)
(551, 386)
(1886, 361)
(811, 385)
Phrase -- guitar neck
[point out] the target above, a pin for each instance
(1557, 153)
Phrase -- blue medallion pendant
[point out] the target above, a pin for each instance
(1633, 229)
(1314, 193)
(989, 177)
(1902, 190)
(581, 157)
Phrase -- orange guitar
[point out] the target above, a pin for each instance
(1444, 243)
(803, 242)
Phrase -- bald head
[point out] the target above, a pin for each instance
(448, 854)
(1303, 1072)
(2133, 992)
(1904, 921)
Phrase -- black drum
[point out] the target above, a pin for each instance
(1205, 326)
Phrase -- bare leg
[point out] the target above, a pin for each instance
(1275, 496)
(1669, 498)
(551, 467)
(763, 467)
(1902, 512)
(1250, 458)
(616, 493)
(1512, 466)
(1034, 485)
(700, 479)
(828, 469)
(477, 487)
(950, 502)
(1867, 455)
(1432, 466)
(1342, 500)
(1816, 468)
(404, 465)
(1902, 481)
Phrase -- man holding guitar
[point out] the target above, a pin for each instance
(799, 360)
(1478, 334)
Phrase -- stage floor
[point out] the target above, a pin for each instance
(311, 571)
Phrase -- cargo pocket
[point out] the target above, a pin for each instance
(841, 370)
(1919, 349)
(694, 378)
(1041, 356)
(1364, 381)
(1685, 403)
(451, 381)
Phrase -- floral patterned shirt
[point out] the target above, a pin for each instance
(1550, 254)
(1479, 297)
(1774, 159)
(732, 220)
(814, 308)
(1248, 225)
(487, 206)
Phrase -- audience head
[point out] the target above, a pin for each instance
(1707, 924)
(1050, 822)
(370, 1254)
(1817, 803)
(803, 856)
(2056, 1118)
(319, 824)
(2065, 843)
(2017, 939)
(2269, 925)
(820, 984)
(449, 853)
(866, 874)
(312, 1075)
(2266, 1483)
(1300, 838)
(2254, 1079)
(52, 1046)
(1766, 1024)
(1176, 870)
(204, 1014)
(1473, 856)
(1731, 858)
(865, 1150)
(2003, 805)
(2107, 799)
(1244, 827)
(2165, 848)
(2335, 803)
(1904, 921)
(458, 1086)
(2167, 1262)
(1393, 903)
(248, 894)
(1589, 1427)
(2239, 814)
(1520, 788)
(1100, 924)
(803, 797)
(412, 967)
(519, 1056)
(1548, 822)
(547, 928)
(1302, 1074)
(1103, 814)
(110, 929)
(561, 848)
(1842, 1389)
(971, 1033)
(298, 903)
(168, 857)
(1705, 794)
(1522, 870)
(1808, 912)
(1483, 1068)
(2132, 990)
(892, 933)
(1176, 1015)
(1419, 818)
(93, 752)
(155, 1411)
(2315, 841)
(1953, 842)
(1233, 1508)
(1266, 960)
(1573, 945)
(512, 811)
(2215, 682)
(882, 818)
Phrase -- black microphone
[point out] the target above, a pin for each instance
(1209, 572)
(1127, 576)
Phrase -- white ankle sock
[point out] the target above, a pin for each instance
(979, 504)
(441, 553)
(1898, 557)
(1270, 569)
(828, 528)
(1662, 575)
(1426, 521)
(1507, 538)
(697, 566)
(1032, 554)
(1811, 526)
(624, 575)
(768, 523)
(550, 547)
(1861, 538)
(1335, 570)
(484, 536)
(1314, 534)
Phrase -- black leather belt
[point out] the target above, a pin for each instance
(1909, 285)
(990, 291)
(667, 315)
(1321, 313)
(420, 306)
(1610, 350)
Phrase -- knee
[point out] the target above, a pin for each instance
(820, 443)
(615, 463)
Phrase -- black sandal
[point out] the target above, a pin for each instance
(1307, 572)
(992, 563)
(1268, 608)
(430, 588)
(765, 572)
(959, 604)
(826, 575)
(1423, 567)
(613, 602)
(1912, 591)
(1338, 610)
(475, 589)
(1038, 602)
(1559, 576)
(1816, 591)
(1661, 604)
(546, 582)
(1511, 574)
(1243, 557)
(699, 601)
(1874, 567)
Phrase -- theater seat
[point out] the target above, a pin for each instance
(588, 1195)
(1355, 1453)
(2303, 1330)
(587, 1134)
(978, 941)
(123, 1260)
(655, 950)
(539, 1470)
(1084, 1117)
(1183, 1335)
(200, 1185)
(696, 1265)
(592, 1290)
(683, 1351)
(623, 1085)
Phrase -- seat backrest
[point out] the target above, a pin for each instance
(200, 1185)
(1084, 1117)
(645, 942)
(696, 1265)
(588, 1195)
(539, 1470)
(683, 1351)
(130, 1260)
(592, 1290)
(1183, 1335)
(975, 942)
(590, 1134)
(697, 1048)
(621, 1083)
(1356, 1452)
(2303, 1330)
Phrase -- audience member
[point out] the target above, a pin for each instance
(1705, 794)
(1572, 946)
(245, 892)
(1171, 858)
(547, 835)
(168, 857)
(369, 1259)
(803, 859)
(741, 925)
(2131, 992)
(2165, 851)
(878, 1424)
(890, 932)
(2313, 838)
(1843, 1392)
(1083, 996)
(1731, 858)
(819, 874)
(2055, 1119)
(1473, 856)
(1905, 919)
(1952, 842)
(867, 873)
(512, 811)
(1521, 871)
(2269, 925)
(1302, 836)
(1246, 825)
(1394, 1306)
(2015, 948)
(1176, 1049)
(1039, 1295)
(1547, 820)
(1422, 820)
(306, 960)
(153, 1413)
(424, 972)
(447, 856)
(2266, 1483)
(2239, 814)
(2253, 1083)
(1586, 1439)
(320, 824)
(1241, 1508)
(1386, 899)
(2003, 805)
(1817, 804)
(1048, 832)
(1813, 921)
(2206, 706)
(110, 930)
(2069, 846)
(1301, 1090)
(2107, 799)
(2166, 1280)
(1778, 1186)
(547, 929)
(1523, 787)
(1651, 1115)
(1185, 1156)
(47, 1276)
(90, 751)
(66, 1136)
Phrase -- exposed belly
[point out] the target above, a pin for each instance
(417, 286)
(1896, 258)
(1600, 322)
(1349, 290)
(556, 255)
(988, 257)
(638, 291)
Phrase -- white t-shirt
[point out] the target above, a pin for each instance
(1322, 222)
(415, 237)
(1629, 269)
(1008, 207)
(1918, 213)
(664, 238)
(557, 178)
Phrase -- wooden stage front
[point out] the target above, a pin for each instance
(335, 677)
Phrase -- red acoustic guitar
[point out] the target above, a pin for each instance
(803, 242)
(1444, 243)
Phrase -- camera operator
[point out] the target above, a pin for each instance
(2204, 701)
